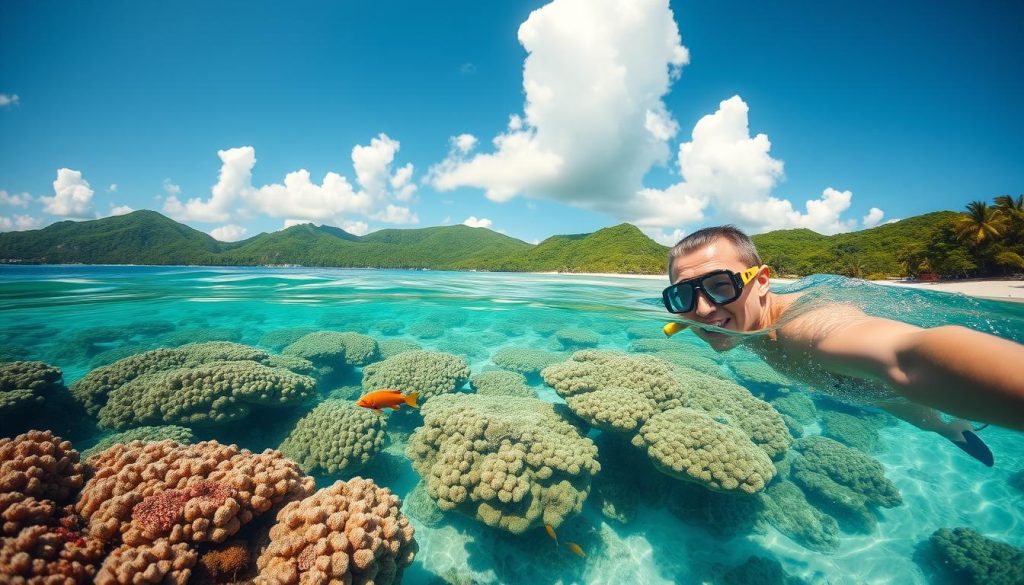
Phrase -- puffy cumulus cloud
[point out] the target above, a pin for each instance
(15, 200)
(19, 223)
(464, 143)
(120, 210)
(72, 196)
(665, 237)
(472, 221)
(9, 99)
(873, 217)
(593, 121)
(229, 233)
(729, 176)
(299, 198)
(170, 188)
(358, 228)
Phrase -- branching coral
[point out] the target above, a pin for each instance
(209, 491)
(843, 482)
(350, 532)
(429, 373)
(501, 383)
(513, 463)
(336, 437)
(93, 390)
(208, 394)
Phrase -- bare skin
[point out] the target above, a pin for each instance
(954, 369)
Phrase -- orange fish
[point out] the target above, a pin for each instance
(576, 549)
(381, 399)
(551, 532)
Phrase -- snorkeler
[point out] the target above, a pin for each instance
(718, 280)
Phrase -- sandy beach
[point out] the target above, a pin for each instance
(1002, 290)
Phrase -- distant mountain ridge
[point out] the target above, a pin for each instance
(148, 237)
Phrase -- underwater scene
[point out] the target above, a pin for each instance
(286, 425)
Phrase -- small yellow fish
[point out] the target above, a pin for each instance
(551, 532)
(575, 548)
(674, 327)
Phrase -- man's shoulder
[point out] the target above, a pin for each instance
(815, 322)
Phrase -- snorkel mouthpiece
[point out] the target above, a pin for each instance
(674, 327)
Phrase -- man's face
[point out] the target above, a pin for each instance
(743, 314)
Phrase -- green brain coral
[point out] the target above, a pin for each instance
(501, 383)
(93, 390)
(524, 360)
(512, 463)
(147, 434)
(330, 350)
(26, 385)
(336, 437)
(691, 445)
(429, 373)
(208, 394)
(975, 560)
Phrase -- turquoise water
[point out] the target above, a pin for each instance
(81, 317)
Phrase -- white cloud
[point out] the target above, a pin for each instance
(593, 122)
(464, 143)
(121, 210)
(665, 237)
(170, 188)
(72, 196)
(19, 223)
(873, 217)
(112, 188)
(16, 200)
(290, 222)
(483, 222)
(229, 233)
(234, 197)
(727, 171)
(9, 99)
(356, 228)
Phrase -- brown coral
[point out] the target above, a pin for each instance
(223, 487)
(160, 562)
(40, 554)
(350, 532)
(224, 564)
(38, 473)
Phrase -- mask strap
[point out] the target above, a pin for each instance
(747, 275)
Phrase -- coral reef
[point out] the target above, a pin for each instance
(147, 434)
(429, 373)
(758, 571)
(393, 347)
(786, 508)
(852, 431)
(525, 360)
(501, 383)
(223, 564)
(159, 562)
(143, 492)
(572, 338)
(426, 329)
(25, 386)
(512, 463)
(843, 482)
(350, 532)
(93, 390)
(278, 339)
(208, 394)
(973, 559)
(332, 351)
(336, 437)
(693, 426)
(293, 363)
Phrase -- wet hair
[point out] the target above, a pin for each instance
(709, 235)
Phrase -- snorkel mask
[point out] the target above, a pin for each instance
(720, 287)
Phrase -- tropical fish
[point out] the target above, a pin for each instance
(551, 532)
(381, 399)
(674, 327)
(576, 549)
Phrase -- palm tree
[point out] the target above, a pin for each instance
(981, 224)
(1010, 207)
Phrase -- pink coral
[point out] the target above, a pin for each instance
(351, 532)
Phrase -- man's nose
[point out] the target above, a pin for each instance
(704, 307)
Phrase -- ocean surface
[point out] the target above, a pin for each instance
(647, 528)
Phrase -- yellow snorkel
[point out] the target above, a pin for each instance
(674, 327)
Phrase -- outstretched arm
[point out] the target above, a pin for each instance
(954, 369)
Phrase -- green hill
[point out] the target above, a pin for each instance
(139, 237)
(622, 248)
(871, 252)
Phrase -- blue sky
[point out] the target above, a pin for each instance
(903, 108)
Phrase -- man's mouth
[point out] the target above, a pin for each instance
(721, 323)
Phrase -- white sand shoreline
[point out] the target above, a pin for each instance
(1000, 290)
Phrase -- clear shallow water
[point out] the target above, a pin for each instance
(80, 317)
